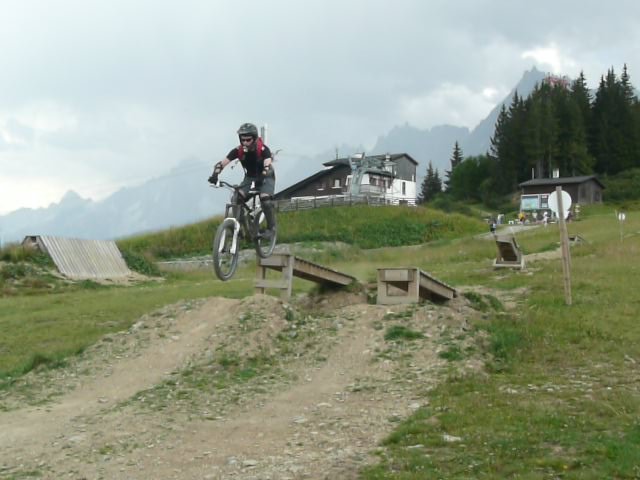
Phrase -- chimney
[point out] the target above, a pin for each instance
(263, 133)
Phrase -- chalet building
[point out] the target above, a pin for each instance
(583, 190)
(389, 179)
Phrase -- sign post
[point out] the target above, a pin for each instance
(621, 218)
(564, 240)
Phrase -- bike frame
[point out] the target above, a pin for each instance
(240, 213)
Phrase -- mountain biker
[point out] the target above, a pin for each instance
(257, 162)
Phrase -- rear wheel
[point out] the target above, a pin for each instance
(265, 239)
(226, 250)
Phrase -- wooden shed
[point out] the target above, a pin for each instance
(584, 190)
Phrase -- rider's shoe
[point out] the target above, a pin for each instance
(267, 233)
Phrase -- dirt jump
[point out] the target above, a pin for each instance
(242, 389)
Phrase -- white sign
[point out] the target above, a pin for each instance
(622, 217)
(566, 203)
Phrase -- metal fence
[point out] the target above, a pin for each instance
(332, 201)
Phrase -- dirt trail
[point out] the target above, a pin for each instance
(343, 391)
(25, 429)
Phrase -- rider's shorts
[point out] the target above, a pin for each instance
(267, 186)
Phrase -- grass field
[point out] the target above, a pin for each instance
(560, 397)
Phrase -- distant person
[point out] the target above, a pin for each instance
(545, 218)
(255, 158)
(492, 226)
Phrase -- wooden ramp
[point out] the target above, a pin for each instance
(81, 259)
(292, 266)
(509, 252)
(409, 285)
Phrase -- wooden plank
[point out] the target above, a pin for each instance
(291, 266)
(271, 283)
(414, 282)
(275, 260)
(287, 276)
(317, 273)
(509, 253)
(398, 274)
(429, 287)
(261, 274)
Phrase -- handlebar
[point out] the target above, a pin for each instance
(222, 183)
(252, 192)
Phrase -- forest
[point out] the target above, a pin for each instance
(562, 125)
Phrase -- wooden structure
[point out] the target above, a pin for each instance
(81, 259)
(292, 266)
(584, 190)
(409, 285)
(509, 252)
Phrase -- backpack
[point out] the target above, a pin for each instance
(259, 150)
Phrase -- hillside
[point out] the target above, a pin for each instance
(360, 226)
(190, 377)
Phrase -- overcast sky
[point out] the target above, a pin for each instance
(96, 95)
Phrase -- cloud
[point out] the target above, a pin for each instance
(550, 57)
(95, 94)
(451, 104)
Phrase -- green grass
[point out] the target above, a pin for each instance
(361, 226)
(45, 329)
(562, 398)
(400, 332)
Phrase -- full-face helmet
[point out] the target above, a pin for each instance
(248, 129)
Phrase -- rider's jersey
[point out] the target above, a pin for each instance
(251, 161)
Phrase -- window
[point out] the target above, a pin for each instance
(544, 200)
(321, 186)
(336, 183)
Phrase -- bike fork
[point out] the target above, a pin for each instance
(234, 243)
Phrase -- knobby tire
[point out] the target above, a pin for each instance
(264, 246)
(224, 262)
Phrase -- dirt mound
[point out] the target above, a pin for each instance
(252, 388)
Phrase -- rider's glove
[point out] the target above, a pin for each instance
(216, 171)
(266, 170)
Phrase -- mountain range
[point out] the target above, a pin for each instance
(182, 195)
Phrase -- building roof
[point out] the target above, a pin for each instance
(307, 181)
(392, 156)
(535, 182)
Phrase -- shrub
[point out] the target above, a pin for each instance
(140, 263)
(399, 332)
(623, 186)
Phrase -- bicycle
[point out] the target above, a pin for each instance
(244, 219)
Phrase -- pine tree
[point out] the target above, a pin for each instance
(580, 160)
(456, 159)
(437, 183)
(614, 132)
(507, 148)
(431, 185)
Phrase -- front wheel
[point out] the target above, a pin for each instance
(226, 250)
(265, 239)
